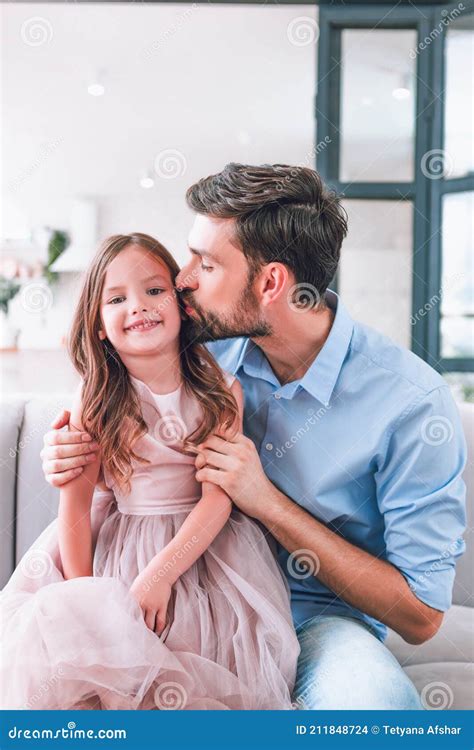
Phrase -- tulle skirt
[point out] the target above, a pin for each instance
(83, 643)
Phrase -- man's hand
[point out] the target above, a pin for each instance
(65, 453)
(235, 466)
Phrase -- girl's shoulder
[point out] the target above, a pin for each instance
(229, 378)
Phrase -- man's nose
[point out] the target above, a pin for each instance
(186, 279)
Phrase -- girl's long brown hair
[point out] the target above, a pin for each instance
(111, 411)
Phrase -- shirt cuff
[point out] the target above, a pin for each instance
(434, 585)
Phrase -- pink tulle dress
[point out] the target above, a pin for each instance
(229, 642)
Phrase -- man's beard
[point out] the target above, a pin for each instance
(244, 319)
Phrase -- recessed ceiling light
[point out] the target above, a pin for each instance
(96, 89)
(146, 182)
(401, 93)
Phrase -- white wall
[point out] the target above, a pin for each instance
(215, 83)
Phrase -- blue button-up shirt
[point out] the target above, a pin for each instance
(369, 442)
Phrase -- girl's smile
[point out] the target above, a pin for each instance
(143, 326)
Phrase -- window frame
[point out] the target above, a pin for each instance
(426, 194)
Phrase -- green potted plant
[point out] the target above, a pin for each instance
(14, 273)
(57, 244)
(9, 287)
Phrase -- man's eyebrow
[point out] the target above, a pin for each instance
(148, 278)
(201, 253)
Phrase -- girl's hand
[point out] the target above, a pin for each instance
(153, 598)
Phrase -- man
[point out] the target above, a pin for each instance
(353, 451)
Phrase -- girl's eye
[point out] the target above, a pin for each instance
(206, 268)
(154, 292)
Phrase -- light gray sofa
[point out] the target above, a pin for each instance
(442, 668)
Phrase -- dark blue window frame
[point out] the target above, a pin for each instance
(425, 194)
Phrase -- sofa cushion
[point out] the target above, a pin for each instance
(443, 685)
(453, 642)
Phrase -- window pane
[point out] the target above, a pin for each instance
(375, 277)
(461, 384)
(457, 305)
(457, 337)
(377, 105)
(459, 113)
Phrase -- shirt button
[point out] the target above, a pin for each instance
(277, 395)
(269, 446)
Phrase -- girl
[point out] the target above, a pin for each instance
(160, 595)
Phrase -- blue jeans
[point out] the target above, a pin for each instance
(343, 665)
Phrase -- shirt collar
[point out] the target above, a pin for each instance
(320, 378)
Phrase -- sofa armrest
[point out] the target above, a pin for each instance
(463, 592)
(36, 500)
(12, 414)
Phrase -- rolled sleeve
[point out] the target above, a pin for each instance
(421, 494)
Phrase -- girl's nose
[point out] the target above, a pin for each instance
(138, 307)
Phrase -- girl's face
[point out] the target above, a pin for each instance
(139, 308)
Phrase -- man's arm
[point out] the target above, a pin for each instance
(363, 581)
(419, 493)
(367, 583)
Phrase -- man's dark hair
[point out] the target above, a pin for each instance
(282, 213)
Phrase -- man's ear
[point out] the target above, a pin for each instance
(273, 282)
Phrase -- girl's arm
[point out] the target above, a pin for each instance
(199, 529)
(74, 516)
